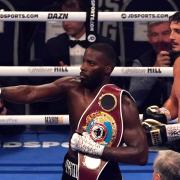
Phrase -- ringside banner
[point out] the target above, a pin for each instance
(81, 16)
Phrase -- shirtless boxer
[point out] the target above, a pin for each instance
(98, 63)
(171, 108)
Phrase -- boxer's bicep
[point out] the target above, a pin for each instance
(132, 125)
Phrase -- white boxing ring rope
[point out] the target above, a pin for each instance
(34, 119)
(81, 16)
(42, 119)
(37, 119)
(75, 70)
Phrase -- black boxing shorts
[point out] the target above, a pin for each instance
(70, 170)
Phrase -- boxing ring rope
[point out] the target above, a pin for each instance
(75, 70)
(81, 16)
(53, 120)
(34, 119)
(37, 119)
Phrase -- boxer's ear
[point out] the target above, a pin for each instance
(108, 69)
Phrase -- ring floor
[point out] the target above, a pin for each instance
(38, 155)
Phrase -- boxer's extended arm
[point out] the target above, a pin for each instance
(29, 94)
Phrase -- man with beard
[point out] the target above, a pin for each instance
(102, 117)
(147, 90)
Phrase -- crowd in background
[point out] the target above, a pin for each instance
(33, 50)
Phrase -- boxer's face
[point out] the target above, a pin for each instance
(93, 68)
(158, 34)
(175, 36)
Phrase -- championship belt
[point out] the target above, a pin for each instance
(102, 120)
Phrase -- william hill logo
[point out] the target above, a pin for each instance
(154, 70)
(61, 69)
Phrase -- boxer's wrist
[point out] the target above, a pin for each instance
(173, 132)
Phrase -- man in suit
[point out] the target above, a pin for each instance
(61, 50)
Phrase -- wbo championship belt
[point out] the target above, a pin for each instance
(102, 119)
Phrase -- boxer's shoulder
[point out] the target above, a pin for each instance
(177, 63)
(68, 81)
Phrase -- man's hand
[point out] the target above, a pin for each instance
(85, 144)
(160, 114)
(163, 59)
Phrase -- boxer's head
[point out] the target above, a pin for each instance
(175, 31)
(98, 63)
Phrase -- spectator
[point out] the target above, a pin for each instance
(61, 50)
(167, 166)
(153, 90)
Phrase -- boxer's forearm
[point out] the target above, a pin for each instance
(18, 94)
(172, 106)
(131, 155)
